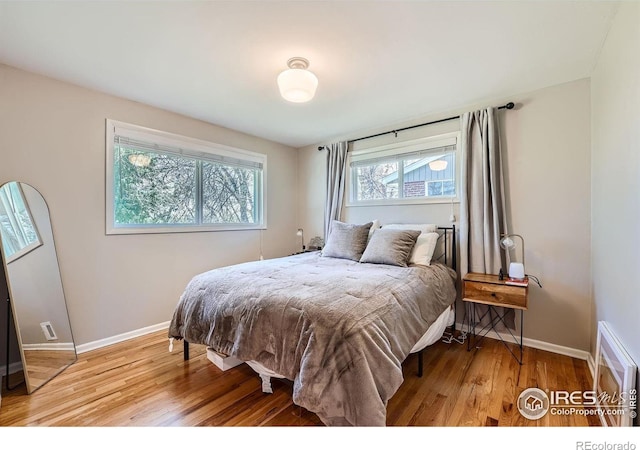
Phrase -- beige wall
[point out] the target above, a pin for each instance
(548, 187)
(615, 121)
(52, 136)
(546, 147)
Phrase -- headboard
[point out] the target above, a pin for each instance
(446, 247)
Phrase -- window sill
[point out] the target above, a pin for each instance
(407, 201)
(181, 229)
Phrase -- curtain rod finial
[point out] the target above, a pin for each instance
(510, 105)
(321, 148)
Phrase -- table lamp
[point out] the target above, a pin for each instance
(300, 233)
(516, 269)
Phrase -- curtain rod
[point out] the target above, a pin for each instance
(509, 105)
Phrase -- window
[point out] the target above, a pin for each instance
(418, 171)
(161, 182)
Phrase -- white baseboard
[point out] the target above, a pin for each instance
(527, 342)
(121, 337)
(540, 345)
(50, 346)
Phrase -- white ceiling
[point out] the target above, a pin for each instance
(378, 62)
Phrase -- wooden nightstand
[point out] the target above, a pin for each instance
(489, 290)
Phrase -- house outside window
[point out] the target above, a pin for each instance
(159, 182)
(418, 171)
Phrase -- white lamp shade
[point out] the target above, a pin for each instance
(297, 85)
(516, 270)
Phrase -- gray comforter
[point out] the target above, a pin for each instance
(338, 329)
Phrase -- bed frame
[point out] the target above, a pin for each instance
(448, 257)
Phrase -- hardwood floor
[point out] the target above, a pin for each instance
(45, 364)
(139, 383)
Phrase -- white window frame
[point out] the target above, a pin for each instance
(192, 147)
(399, 149)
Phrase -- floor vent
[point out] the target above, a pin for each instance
(47, 329)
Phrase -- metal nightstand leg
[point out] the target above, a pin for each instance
(472, 320)
(477, 338)
(521, 327)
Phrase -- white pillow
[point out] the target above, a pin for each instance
(423, 227)
(423, 250)
(425, 244)
(374, 227)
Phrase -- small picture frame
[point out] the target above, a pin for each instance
(614, 381)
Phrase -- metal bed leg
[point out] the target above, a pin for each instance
(186, 350)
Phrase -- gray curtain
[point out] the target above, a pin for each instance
(482, 205)
(336, 175)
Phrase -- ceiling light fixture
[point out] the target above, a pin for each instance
(297, 84)
(140, 159)
(437, 165)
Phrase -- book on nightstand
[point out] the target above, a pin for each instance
(516, 282)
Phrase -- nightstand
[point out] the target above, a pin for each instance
(489, 290)
(303, 251)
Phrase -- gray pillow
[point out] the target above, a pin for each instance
(347, 241)
(391, 247)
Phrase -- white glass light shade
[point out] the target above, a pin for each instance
(140, 160)
(507, 243)
(297, 84)
(438, 164)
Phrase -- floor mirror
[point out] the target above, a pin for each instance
(36, 296)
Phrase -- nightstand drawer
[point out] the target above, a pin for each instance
(495, 294)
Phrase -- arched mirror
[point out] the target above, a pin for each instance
(38, 305)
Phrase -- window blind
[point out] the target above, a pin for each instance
(146, 146)
(376, 158)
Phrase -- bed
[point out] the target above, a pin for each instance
(339, 329)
